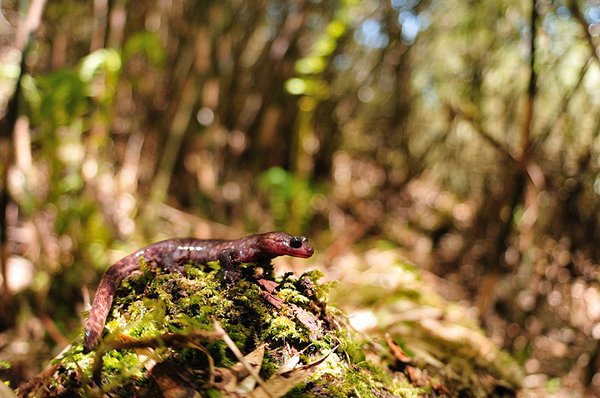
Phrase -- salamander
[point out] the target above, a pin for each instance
(173, 254)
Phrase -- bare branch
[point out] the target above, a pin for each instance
(584, 26)
(479, 129)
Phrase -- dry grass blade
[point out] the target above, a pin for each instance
(240, 357)
(160, 341)
(284, 382)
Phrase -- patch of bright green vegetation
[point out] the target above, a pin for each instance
(337, 378)
(156, 304)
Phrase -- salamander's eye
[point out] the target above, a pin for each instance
(296, 242)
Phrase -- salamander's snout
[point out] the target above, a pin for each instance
(274, 244)
(301, 247)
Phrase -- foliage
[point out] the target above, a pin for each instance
(290, 198)
(464, 132)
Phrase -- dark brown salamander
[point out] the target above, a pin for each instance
(171, 255)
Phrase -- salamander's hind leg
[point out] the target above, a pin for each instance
(228, 259)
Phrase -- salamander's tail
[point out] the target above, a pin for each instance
(99, 312)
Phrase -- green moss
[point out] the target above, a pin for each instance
(281, 329)
(270, 366)
(352, 346)
(174, 303)
(121, 366)
(155, 304)
(338, 378)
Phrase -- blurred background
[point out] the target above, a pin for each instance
(465, 133)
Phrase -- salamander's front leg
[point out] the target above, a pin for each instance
(229, 260)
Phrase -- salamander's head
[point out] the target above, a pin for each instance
(282, 244)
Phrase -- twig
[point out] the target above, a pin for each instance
(238, 354)
(574, 8)
(481, 131)
(29, 25)
(565, 102)
(53, 330)
(531, 91)
(99, 25)
(526, 188)
(189, 339)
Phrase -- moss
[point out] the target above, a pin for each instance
(122, 367)
(155, 304)
(338, 378)
(352, 346)
(446, 351)
(293, 323)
